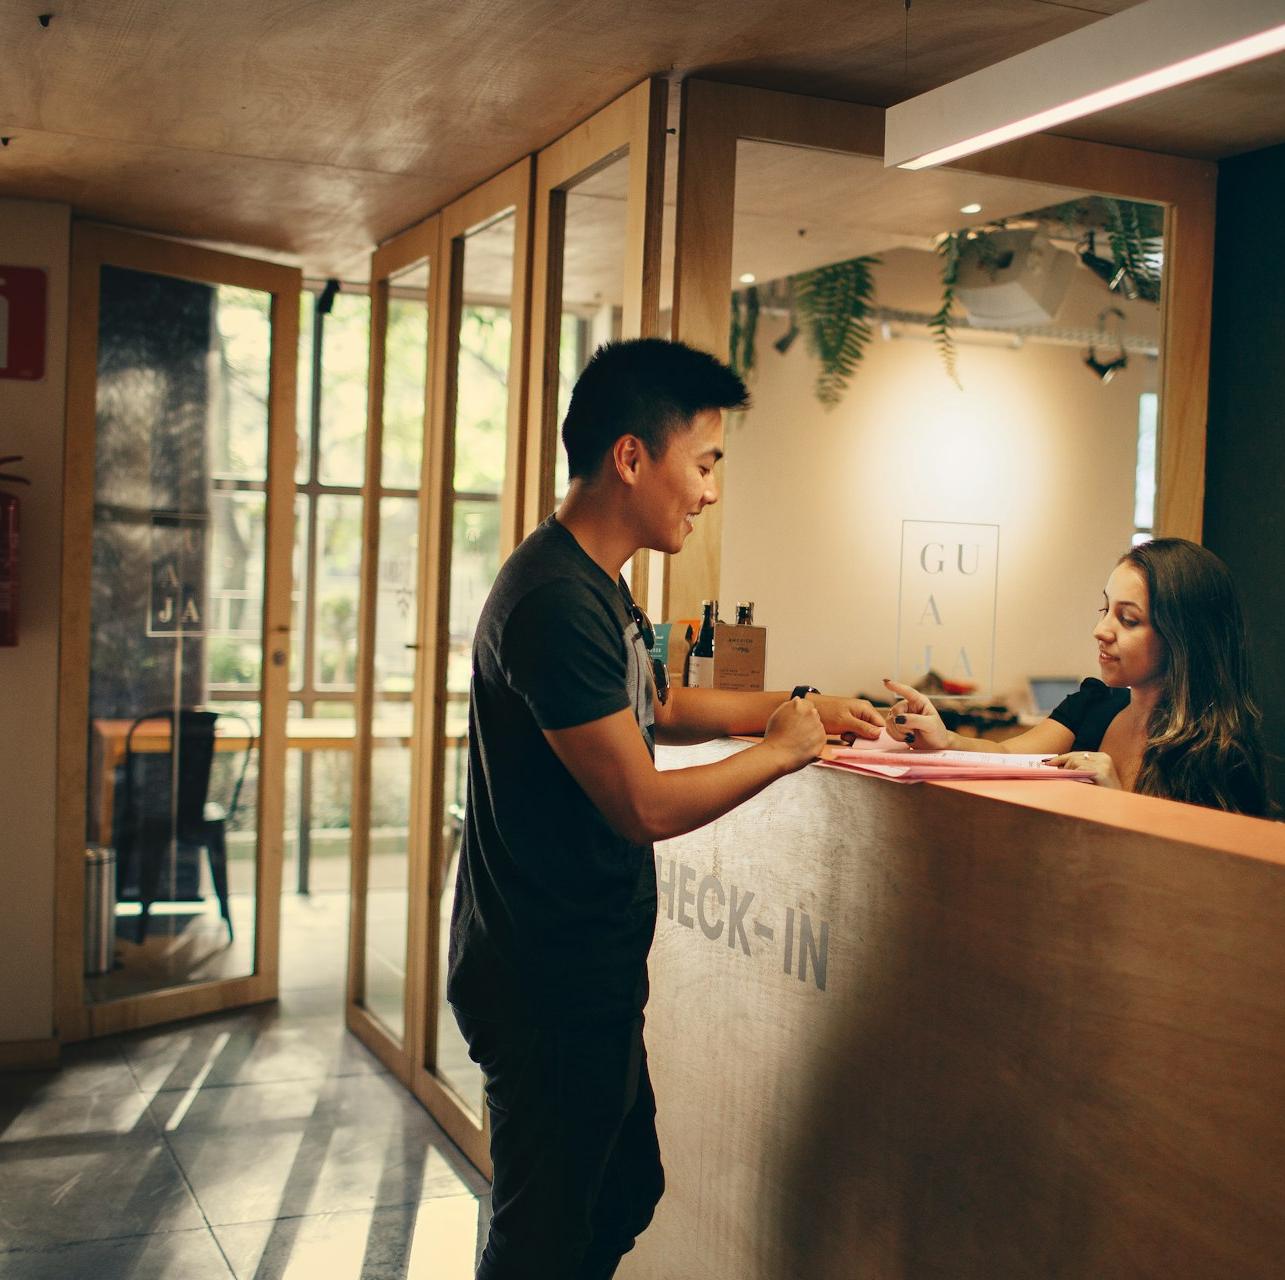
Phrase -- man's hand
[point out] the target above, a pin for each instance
(795, 731)
(850, 718)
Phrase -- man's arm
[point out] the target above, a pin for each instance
(609, 760)
(696, 715)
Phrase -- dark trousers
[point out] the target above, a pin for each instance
(573, 1141)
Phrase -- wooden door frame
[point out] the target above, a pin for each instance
(716, 116)
(417, 243)
(94, 246)
(634, 125)
(510, 190)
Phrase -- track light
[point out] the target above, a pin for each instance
(1151, 47)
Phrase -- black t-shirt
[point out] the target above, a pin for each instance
(554, 910)
(1089, 711)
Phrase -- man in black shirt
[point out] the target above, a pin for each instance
(555, 903)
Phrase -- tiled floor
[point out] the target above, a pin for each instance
(262, 1144)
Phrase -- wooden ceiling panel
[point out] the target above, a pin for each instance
(317, 127)
(326, 218)
(1224, 115)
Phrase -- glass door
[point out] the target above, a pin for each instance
(473, 517)
(596, 271)
(177, 589)
(389, 854)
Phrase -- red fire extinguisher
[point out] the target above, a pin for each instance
(9, 556)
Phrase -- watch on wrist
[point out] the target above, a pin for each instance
(802, 690)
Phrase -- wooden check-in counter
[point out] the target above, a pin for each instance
(967, 1030)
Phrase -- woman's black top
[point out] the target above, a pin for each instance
(1088, 712)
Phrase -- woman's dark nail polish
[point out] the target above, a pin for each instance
(910, 737)
(901, 719)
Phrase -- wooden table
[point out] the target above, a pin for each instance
(302, 734)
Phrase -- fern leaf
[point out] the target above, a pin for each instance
(833, 305)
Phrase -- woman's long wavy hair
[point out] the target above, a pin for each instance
(1204, 740)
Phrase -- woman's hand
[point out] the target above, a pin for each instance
(852, 718)
(1098, 762)
(912, 719)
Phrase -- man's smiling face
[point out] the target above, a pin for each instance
(679, 484)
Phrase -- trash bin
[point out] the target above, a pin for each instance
(100, 909)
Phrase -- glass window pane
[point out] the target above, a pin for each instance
(345, 359)
(593, 280)
(405, 373)
(481, 425)
(396, 624)
(237, 528)
(1144, 488)
(573, 355)
(299, 589)
(239, 390)
(988, 385)
(395, 601)
(475, 560)
(387, 896)
(303, 388)
(338, 585)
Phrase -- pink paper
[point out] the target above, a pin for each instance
(941, 766)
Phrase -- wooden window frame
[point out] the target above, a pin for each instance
(633, 125)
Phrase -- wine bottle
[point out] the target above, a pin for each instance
(700, 671)
(745, 613)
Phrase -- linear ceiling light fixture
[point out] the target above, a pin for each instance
(1152, 46)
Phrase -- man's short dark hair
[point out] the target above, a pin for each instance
(644, 387)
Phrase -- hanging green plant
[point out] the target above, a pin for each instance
(744, 331)
(833, 305)
(943, 320)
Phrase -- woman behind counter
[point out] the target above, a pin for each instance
(1173, 714)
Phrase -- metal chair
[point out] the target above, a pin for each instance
(165, 805)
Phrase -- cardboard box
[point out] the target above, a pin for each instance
(740, 656)
(740, 653)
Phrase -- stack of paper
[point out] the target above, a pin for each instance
(941, 766)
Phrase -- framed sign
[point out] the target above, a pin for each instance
(946, 602)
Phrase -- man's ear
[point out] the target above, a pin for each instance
(626, 456)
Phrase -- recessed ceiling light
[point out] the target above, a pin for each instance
(970, 208)
(748, 278)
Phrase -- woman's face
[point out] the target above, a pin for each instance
(1130, 650)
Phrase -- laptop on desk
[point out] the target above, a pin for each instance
(1048, 691)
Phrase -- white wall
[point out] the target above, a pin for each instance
(815, 499)
(31, 423)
